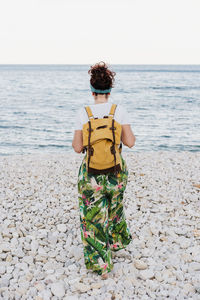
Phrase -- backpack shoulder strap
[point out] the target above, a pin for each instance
(113, 151)
(89, 112)
(112, 110)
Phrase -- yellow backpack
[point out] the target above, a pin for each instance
(101, 139)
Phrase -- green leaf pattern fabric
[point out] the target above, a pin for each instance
(102, 219)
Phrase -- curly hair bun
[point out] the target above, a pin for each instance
(101, 77)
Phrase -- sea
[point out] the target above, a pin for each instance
(38, 105)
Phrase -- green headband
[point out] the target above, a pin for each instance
(99, 91)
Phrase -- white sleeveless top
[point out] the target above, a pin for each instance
(99, 111)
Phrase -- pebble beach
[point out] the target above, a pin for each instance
(41, 253)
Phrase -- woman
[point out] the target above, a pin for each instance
(102, 219)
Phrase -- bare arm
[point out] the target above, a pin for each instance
(77, 142)
(127, 137)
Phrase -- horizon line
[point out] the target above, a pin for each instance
(85, 64)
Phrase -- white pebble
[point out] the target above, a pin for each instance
(146, 274)
(62, 227)
(58, 289)
(140, 265)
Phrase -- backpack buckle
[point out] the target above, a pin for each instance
(84, 149)
(90, 151)
(112, 149)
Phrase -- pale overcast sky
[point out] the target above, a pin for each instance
(87, 31)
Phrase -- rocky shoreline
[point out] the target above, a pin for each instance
(41, 255)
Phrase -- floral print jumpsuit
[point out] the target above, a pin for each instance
(102, 219)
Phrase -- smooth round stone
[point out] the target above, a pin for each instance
(2, 269)
(128, 283)
(22, 266)
(194, 266)
(140, 265)
(181, 231)
(72, 267)
(42, 251)
(42, 233)
(70, 297)
(9, 258)
(60, 271)
(52, 239)
(5, 247)
(81, 287)
(58, 289)
(34, 245)
(39, 286)
(146, 274)
(50, 278)
(94, 292)
(6, 233)
(28, 259)
(62, 227)
(188, 288)
(77, 253)
(52, 253)
(38, 297)
(45, 294)
(50, 271)
(96, 285)
(186, 257)
(50, 266)
(29, 276)
(184, 242)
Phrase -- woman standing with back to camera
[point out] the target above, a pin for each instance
(102, 219)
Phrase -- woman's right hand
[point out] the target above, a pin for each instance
(77, 142)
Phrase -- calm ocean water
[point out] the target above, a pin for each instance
(38, 104)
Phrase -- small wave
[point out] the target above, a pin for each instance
(11, 127)
(19, 113)
(180, 88)
(16, 144)
(51, 145)
(163, 146)
(42, 130)
(166, 136)
(141, 108)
